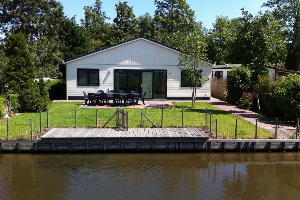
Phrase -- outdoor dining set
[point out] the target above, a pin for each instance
(121, 98)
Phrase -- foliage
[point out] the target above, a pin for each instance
(14, 103)
(238, 81)
(289, 12)
(191, 61)
(146, 25)
(2, 106)
(125, 24)
(246, 101)
(57, 89)
(3, 64)
(267, 93)
(74, 39)
(289, 97)
(20, 74)
(44, 94)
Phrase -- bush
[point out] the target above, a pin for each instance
(44, 94)
(14, 103)
(2, 106)
(289, 97)
(57, 89)
(246, 101)
(238, 81)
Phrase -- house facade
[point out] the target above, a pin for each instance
(139, 64)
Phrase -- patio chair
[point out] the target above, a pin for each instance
(103, 98)
(122, 91)
(130, 99)
(85, 96)
(91, 98)
(117, 99)
(100, 91)
(143, 97)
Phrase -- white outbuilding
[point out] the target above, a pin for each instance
(138, 64)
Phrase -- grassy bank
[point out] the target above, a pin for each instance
(62, 115)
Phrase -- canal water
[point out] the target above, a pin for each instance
(150, 176)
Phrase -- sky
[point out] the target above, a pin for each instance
(206, 11)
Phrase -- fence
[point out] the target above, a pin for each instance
(219, 124)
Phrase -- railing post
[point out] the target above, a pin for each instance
(297, 128)
(117, 121)
(75, 118)
(236, 127)
(31, 128)
(40, 121)
(162, 117)
(7, 125)
(210, 122)
(141, 117)
(276, 127)
(48, 118)
(206, 117)
(256, 128)
(182, 118)
(216, 128)
(97, 118)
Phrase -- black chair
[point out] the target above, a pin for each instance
(86, 98)
(100, 91)
(143, 97)
(130, 99)
(91, 98)
(122, 91)
(103, 98)
(117, 99)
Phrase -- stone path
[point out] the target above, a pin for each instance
(284, 131)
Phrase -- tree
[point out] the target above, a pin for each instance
(94, 23)
(3, 64)
(173, 21)
(39, 21)
(74, 39)
(289, 12)
(146, 25)
(192, 60)
(20, 74)
(125, 23)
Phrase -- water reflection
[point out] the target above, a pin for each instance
(149, 176)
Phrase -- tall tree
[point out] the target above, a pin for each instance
(146, 25)
(125, 23)
(289, 12)
(95, 23)
(173, 21)
(20, 74)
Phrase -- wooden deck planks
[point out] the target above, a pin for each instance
(132, 133)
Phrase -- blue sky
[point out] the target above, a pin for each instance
(205, 10)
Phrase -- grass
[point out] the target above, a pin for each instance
(62, 115)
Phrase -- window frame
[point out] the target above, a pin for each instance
(88, 77)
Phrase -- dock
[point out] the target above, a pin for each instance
(89, 140)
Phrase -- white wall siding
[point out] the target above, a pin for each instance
(139, 54)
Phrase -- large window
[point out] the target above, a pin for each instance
(185, 79)
(88, 77)
(219, 74)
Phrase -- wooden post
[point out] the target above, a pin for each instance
(118, 114)
(182, 118)
(97, 118)
(216, 128)
(141, 117)
(276, 127)
(31, 129)
(7, 128)
(206, 117)
(162, 117)
(48, 118)
(236, 127)
(256, 128)
(75, 118)
(210, 122)
(297, 128)
(40, 121)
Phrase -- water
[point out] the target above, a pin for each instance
(150, 176)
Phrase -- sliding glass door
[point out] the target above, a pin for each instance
(147, 84)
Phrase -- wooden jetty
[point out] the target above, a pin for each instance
(142, 140)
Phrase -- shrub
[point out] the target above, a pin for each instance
(14, 102)
(45, 101)
(289, 97)
(238, 81)
(246, 101)
(2, 106)
(57, 89)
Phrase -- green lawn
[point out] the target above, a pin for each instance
(62, 115)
